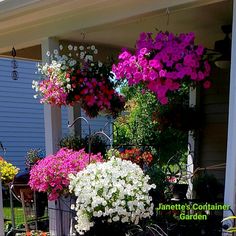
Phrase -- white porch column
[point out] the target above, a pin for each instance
(73, 113)
(191, 145)
(52, 123)
(230, 175)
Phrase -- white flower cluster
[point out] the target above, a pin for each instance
(56, 71)
(116, 190)
(85, 53)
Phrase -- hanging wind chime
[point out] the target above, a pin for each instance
(14, 73)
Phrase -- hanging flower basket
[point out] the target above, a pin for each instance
(164, 64)
(67, 81)
(180, 117)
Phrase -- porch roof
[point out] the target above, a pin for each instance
(25, 23)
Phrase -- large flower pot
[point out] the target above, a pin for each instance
(180, 191)
(107, 229)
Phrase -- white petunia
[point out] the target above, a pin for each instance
(70, 47)
(89, 58)
(72, 63)
(100, 64)
(98, 183)
(82, 54)
(48, 53)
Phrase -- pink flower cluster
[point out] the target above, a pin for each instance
(67, 81)
(51, 173)
(164, 64)
(95, 94)
(52, 92)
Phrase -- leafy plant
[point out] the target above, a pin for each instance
(76, 143)
(139, 126)
(207, 187)
(33, 155)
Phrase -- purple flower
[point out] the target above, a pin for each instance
(124, 55)
(200, 50)
(162, 73)
(155, 64)
(162, 64)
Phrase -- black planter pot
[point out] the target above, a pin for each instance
(107, 229)
(180, 191)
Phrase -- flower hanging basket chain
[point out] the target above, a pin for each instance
(71, 79)
(164, 64)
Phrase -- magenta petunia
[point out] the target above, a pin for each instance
(51, 173)
(165, 57)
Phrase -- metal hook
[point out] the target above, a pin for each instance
(13, 52)
(168, 16)
(83, 34)
(3, 148)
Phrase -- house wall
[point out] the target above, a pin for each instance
(22, 116)
(97, 124)
(213, 135)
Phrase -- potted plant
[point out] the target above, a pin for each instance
(207, 187)
(164, 64)
(7, 171)
(76, 143)
(32, 156)
(71, 79)
(179, 116)
(118, 194)
(50, 174)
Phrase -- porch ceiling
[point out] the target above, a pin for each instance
(204, 21)
(112, 22)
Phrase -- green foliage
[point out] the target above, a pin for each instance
(207, 187)
(32, 156)
(77, 143)
(140, 127)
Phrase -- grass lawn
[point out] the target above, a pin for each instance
(19, 216)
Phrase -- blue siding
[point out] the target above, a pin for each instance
(64, 120)
(96, 124)
(21, 116)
